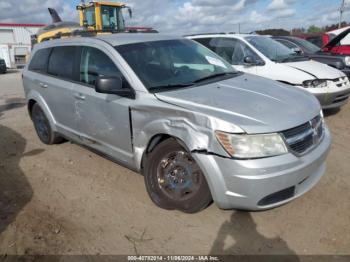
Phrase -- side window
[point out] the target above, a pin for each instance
(90, 19)
(61, 62)
(205, 42)
(224, 47)
(232, 50)
(39, 60)
(287, 43)
(95, 63)
(241, 50)
(316, 40)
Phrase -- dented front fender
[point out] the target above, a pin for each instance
(194, 129)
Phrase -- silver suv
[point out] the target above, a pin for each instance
(175, 111)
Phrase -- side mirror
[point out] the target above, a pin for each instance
(297, 50)
(113, 85)
(251, 61)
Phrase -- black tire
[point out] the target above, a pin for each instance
(169, 155)
(43, 127)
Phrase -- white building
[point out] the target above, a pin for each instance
(15, 42)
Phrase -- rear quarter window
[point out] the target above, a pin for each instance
(61, 63)
(40, 60)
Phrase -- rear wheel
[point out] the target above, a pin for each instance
(174, 180)
(43, 128)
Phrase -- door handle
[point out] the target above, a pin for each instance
(42, 85)
(79, 96)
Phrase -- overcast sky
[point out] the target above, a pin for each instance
(194, 16)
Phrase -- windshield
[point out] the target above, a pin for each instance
(272, 49)
(310, 47)
(176, 63)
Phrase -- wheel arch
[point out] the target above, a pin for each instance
(156, 140)
(35, 98)
(31, 103)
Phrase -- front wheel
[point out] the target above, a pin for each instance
(174, 180)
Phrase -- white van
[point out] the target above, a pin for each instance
(5, 55)
(263, 56)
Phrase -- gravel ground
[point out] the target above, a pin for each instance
(64, 199)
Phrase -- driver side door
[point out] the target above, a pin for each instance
(103, 119)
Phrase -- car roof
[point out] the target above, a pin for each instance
(286, 37)
(293, 39)
(131, 38)
(112, 39)
(228, 35)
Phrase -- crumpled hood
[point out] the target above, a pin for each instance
(316, 70)
(255, 104)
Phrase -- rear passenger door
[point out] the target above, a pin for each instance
(50, 73)
(59, 85)
(104, 122)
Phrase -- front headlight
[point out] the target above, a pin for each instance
(347, 60)
(252, 146)
(317, 83)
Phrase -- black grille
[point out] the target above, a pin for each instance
(338, 100)
(341, 97)
(305, 136)
(297, 130)
(303, 145)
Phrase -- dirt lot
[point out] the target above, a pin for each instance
(65, 199)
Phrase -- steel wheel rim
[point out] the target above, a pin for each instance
(178, 176)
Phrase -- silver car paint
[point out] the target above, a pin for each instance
(263, 109)
(190, 115)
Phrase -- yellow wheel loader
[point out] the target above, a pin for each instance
(95, 18)
(101, 16)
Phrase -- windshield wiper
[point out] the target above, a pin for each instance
(168, 87)
(214, 76)
(177, 86)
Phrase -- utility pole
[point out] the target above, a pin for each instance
(341, 10)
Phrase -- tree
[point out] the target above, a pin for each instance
(314, 29)
(273, 32)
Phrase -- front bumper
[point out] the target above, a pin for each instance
(333, 96)
(260, 184)
(333, 99)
